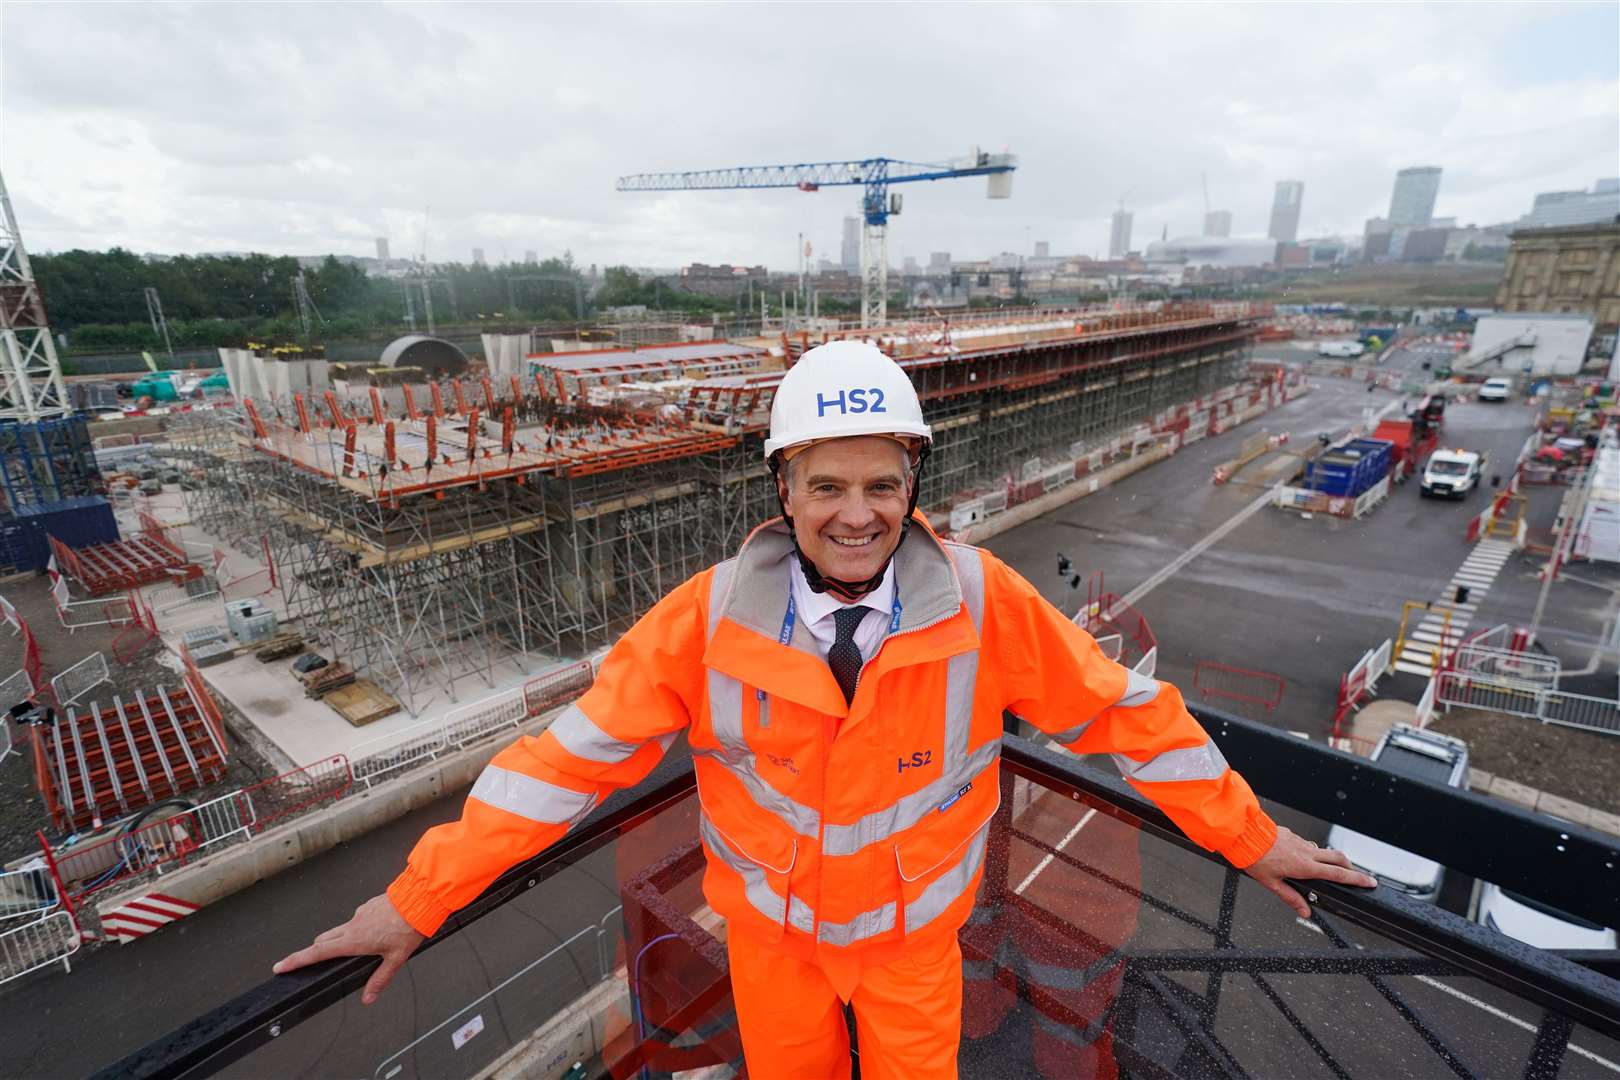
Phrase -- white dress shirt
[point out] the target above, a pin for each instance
(815, 610)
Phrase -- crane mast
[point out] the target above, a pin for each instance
(878, 204)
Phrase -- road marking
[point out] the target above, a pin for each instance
(1044, 863)
(1484, 1006)
(1477, 574)
(1135, 596)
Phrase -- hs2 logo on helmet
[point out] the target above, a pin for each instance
(851, 402)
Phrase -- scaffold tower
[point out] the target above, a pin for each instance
(31, 386)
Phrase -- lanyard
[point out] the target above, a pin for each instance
(791, 616)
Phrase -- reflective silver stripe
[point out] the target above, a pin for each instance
(759, 893)
(865, 925)
(970, 572)
(907, 811)
(1081, 1037)
(530, 798)
(581, 737)
(1139, 690)
(961, 673)
(718, 584)
(725, 717)
(948, 887)
(1058, 977)
(1193, 763)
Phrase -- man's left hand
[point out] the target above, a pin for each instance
(1292, 856)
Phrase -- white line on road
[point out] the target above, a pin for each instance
(1035, 873)
(1482, 1005)
(1135, 596)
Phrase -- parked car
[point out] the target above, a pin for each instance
(1496, 389)
(1536, 923)
(1452, 473)
(1344, 349)
(1424, 755)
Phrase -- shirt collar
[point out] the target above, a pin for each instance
(815, 606)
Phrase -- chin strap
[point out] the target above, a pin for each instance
(850, 591)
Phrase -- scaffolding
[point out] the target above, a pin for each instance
(427, 534)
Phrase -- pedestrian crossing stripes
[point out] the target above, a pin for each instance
(1445, 622)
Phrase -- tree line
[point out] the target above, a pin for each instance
(97, 299)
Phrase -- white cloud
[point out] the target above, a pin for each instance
(308, 128)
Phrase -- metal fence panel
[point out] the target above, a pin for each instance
(28, 892)
(1581, 711)
(81, 678)
(37, 944)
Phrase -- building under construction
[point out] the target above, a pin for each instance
(425, 532)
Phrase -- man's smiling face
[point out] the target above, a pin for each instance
(847, 499)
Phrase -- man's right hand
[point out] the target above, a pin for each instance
(377, 929)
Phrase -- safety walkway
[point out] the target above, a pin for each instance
(1446, 620)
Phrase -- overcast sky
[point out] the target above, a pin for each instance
(306, 129)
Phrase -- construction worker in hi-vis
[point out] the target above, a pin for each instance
(842, 682)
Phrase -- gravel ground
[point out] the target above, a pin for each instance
(1574, 764)
(22, 810)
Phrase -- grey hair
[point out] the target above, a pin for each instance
(790, 464)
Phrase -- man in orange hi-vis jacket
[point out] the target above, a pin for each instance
(842, 682)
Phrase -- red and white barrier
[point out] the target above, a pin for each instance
(138, 917)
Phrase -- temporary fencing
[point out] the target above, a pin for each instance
(296, 791)
(1108, 614)
(41, 943)
(1112, 645)
(1530, 700)
(1261, 688)
(81, 614)
(1489, 662)
(1426, 703)
(26, 893)
(132, 638)
(381, 757)
(1361, 681)
(80, 679)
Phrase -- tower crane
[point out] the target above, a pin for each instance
(878, 204)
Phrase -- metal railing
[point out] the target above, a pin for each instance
(81, 678)
(1531, 700)
(377, 759)
(1261, 688)
(1240, 1003)
(26, 892)
(38, 944)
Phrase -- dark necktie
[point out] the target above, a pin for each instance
(845, 656)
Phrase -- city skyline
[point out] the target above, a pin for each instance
(159, 141)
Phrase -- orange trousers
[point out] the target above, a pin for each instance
(908, 1014)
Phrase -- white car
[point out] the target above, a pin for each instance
(1536, 923)
(1342, 349)
(1426, 755)
(1495, 389)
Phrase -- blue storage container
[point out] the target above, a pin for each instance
(78, 522)
(1350, 469)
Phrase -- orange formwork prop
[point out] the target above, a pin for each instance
(472, 435)
(376, 406)
(489, 398)
(388, 444)
(410, 402)
(303, 413)
(432, 439)
(438, 399)
(338, 419)
(259, 431)
(461, 402)
(507, 428)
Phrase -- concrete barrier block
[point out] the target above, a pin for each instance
(1603, 821)
(1567, 809)
(1480, 780)
(1514, 792)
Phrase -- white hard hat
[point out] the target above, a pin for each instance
(842, 389)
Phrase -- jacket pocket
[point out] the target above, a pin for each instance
(755, 884)
(946, 831)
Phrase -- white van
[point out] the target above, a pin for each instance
(1341, 349)
(1426, 755)
(1452, 473)
(1496, 389)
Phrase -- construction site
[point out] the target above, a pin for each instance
(284, 626)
